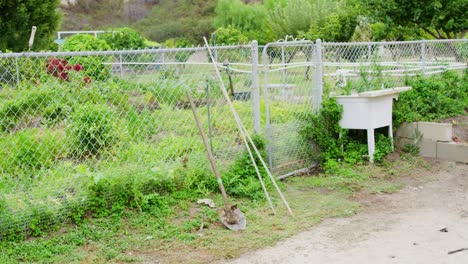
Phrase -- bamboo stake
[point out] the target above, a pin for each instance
(245, 134)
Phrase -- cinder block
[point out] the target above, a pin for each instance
(436, 131)
(406, 130)
(452, 151)
(400, 142)
(427, 148)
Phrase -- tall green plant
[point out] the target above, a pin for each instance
(93, 66)
(432, 98)
(92, 130)
(123, 39)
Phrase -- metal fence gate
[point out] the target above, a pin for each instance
(292, 86)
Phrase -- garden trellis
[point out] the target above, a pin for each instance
(71, 119)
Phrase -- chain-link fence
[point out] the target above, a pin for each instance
(290, 89)
(70, 120)
(376, 65)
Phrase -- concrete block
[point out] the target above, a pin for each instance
(436, 131)
(400, 142)
(406, 130)
(427, 148)
(452, 151)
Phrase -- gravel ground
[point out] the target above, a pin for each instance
(396, 228)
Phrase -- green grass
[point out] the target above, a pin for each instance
(60, 139)
(171, 232)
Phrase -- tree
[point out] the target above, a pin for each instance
(18, 17)
(441, 19)
(337, 26)
(250, 19)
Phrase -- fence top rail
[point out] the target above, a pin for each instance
(222, 47)
(393, 42)
(117, 52)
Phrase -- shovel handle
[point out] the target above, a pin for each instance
(208, 150)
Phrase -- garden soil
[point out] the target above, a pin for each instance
(420, 224)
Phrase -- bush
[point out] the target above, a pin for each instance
(180, 55)
(335, 144)
(30, 150)
(228, 36)
(26, 103)
(241, 179)
(323, 130)
(123, 39)
(93, 66)
(432, 98)
(14, 70)
(91, 130)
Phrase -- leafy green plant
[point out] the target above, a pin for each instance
(241, 179)
(92, 129)
(335, 144)
(432, 98)
(123, 39)
(383, 147)
(30, 150)
(22, 69)
(180, 55)
(228, 36)
(93, 66)
(26, 103)
(322, 129)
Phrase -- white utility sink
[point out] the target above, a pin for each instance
(369, 110)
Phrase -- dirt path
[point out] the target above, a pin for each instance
(396, 228)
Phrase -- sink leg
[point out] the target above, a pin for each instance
(390, 134)
(371, 144)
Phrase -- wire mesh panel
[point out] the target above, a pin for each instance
(288, 70)
(71, 123)
(376, 65)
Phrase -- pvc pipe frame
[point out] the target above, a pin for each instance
(245, 135)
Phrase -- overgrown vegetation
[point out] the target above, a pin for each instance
(123, 38)
(432, 98)
(337, 145)
(71, 150)
(176, 224)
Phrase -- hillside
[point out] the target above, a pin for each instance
(156, 19)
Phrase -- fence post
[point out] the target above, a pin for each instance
(121, 66)
(423, 57)
(17, 72)
(317, 88)
(255, 88)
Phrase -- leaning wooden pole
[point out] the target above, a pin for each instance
(244, 133)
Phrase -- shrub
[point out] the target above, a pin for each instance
(123, 39)
(323, 130)
(14, 70)
(432, 98)
(180, 55)
(93, 66)
(241, 179)
(91, 130)
(25, 104)
(228, 36)
(336, 144)
(30, 150)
